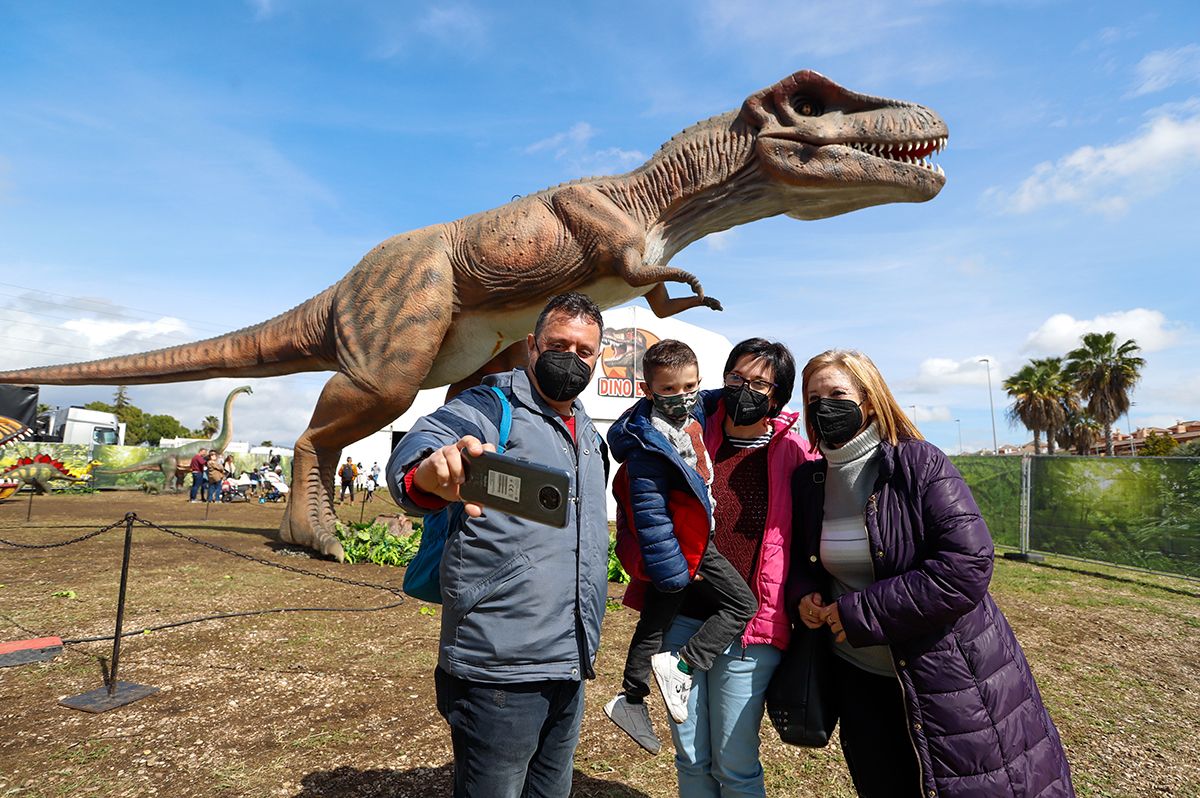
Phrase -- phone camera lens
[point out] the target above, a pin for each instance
(549, 498)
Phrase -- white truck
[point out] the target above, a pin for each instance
(80, 426)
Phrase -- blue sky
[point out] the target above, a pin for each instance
(172, 171)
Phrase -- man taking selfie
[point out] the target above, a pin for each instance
(523, 600)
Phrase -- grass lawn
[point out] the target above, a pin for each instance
(311, 705)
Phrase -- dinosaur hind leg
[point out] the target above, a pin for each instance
(344, 414)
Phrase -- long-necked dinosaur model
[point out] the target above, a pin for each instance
(432, 306)
(177, 460)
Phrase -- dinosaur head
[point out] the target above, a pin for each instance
(831, 150)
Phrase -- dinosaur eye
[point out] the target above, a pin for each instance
(806, 106)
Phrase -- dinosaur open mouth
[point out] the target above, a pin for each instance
(915, 153)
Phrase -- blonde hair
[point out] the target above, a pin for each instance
(894, 424)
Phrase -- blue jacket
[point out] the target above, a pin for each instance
(657, 476)
(522, 601)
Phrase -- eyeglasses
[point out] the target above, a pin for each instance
(735, 380)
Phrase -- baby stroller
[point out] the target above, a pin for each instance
(236, 490)
(273, 489)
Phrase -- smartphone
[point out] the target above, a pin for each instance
(527, 490)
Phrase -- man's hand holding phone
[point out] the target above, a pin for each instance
(442, 472)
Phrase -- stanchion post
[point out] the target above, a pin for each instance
(115, 694)
(29, 510)
(116, 655)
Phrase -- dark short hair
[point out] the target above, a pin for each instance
(667, 354)
(778, 357)
(573, 305)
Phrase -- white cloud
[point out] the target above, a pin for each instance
(720, 241)
(816, 29)
(1164, 68)
(562, 142)
(925, 414)
(1061, 332)
(937, 373)
(571, 147)
(1107, 179)
(460, 25)
(101, 332)
(263, 9)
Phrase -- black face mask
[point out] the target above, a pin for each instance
(836, 421)
(561, 375)
(746, 406)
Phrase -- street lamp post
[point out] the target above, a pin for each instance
(991, 404)
(958, 421)
(914, 415)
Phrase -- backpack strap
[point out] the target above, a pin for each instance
(505, 418)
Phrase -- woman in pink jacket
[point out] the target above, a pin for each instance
(754, 448)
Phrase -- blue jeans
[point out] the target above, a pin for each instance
(199, 485)
(214, 490)
(511, 740)
(716, 750)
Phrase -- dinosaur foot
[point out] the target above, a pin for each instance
(318, 536)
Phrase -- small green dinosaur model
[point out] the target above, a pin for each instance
(38, 472)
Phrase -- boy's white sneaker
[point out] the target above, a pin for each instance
(674, 684)
(634, 720)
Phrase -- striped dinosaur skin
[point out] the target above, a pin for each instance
(442, 304)
(177, 461)
(39, 472)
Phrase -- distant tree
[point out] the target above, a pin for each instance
(141, 427)
(1159, 444)
(1079, 432)
(209, 428)
(121, 397)
(43, 408)
(266, 443)
(1189, 449)
(164, 426)
(1037, 390)
(1105, 374)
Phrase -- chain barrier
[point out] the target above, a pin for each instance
(79, 539)
(395, 591)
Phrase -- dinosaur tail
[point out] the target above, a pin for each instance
(295, 341)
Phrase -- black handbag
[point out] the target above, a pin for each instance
(800, 696)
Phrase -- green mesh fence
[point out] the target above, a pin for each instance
(1142, 512)
(996, 484)
(1137, 511)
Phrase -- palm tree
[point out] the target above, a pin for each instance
(1037, 390)
(1104, 374)
(1080, 430)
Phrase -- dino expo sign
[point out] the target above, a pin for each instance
(621, 352)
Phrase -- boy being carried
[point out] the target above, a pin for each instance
(664, 532)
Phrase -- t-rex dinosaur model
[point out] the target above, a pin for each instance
(12, 430)
(39, 472)
(177, 460)
(432, 306)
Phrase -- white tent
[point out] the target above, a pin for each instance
(628, 332)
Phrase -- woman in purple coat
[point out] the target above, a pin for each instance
(889, 550)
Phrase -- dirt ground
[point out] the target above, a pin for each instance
(340, 704)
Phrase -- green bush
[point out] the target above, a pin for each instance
(615, 572)
(374, 543)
